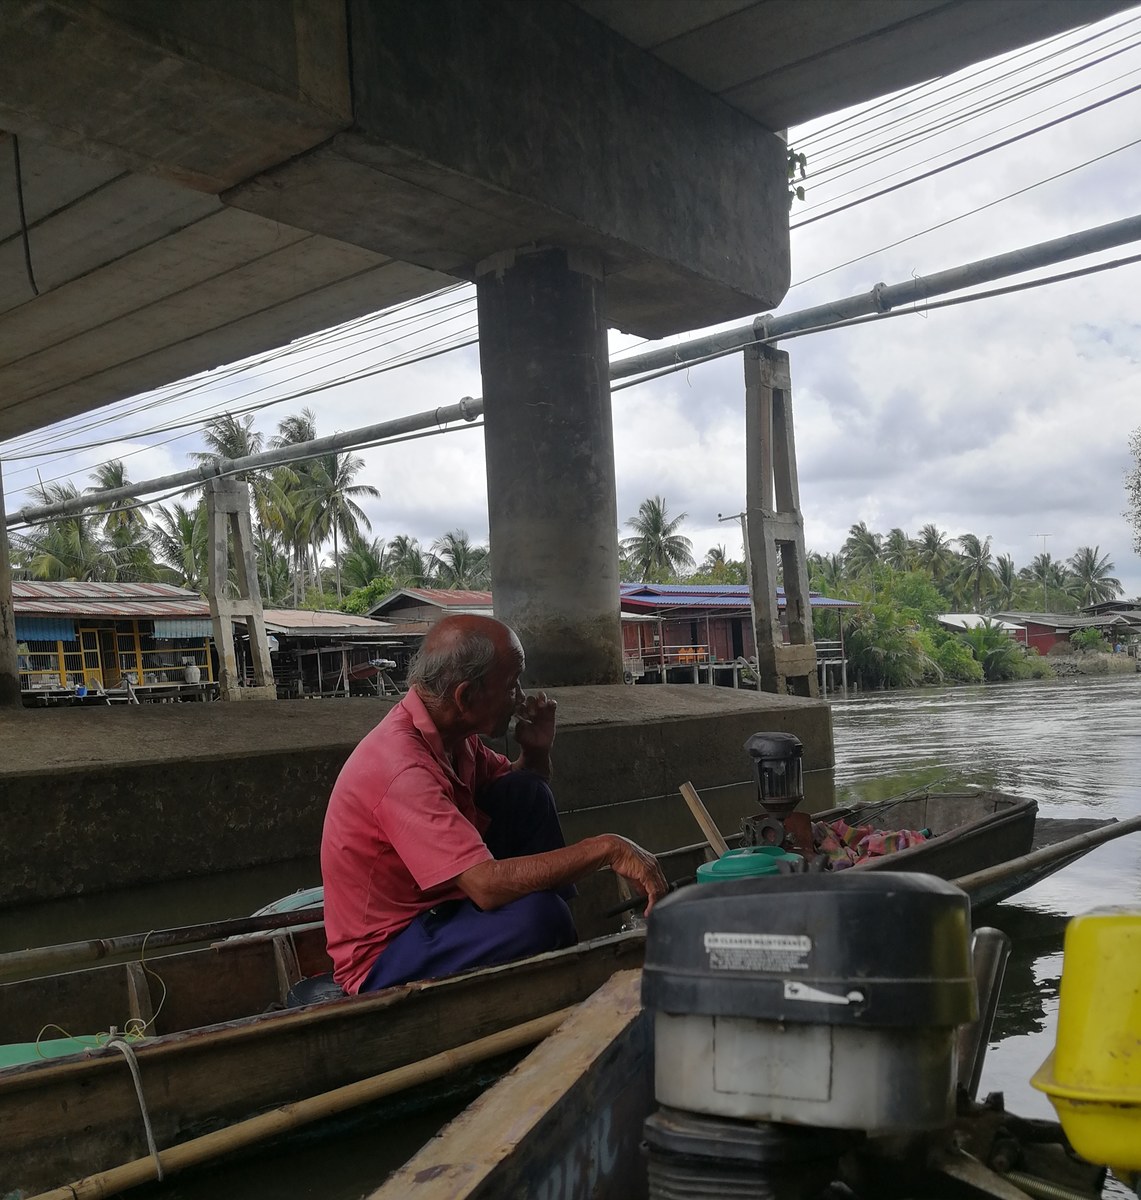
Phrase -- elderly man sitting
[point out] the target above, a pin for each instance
(439, 854)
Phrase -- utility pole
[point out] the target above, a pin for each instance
(9, 662)
(1045, 601)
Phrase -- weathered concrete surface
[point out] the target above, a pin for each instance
(100, 798)
(549, 443)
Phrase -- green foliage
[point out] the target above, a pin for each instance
(1033, 666)
(1087, 641)
(724, 571)
(994, 650)
(913, 592)
(957, 662)
(657, 551)
(885, 651)
(363, 599)
(316, 600)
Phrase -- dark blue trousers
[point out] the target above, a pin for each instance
(456, 935)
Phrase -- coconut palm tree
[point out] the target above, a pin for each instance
(862, 549)
(119, 514)
(825, 572)
(64, 547)
(1090, 576)
(407, 563)
(976, 570)
(899, 550)
(656, 549)
(1005, 581)
(181, 543)
(294, 524)
(327, 499)
(362, 560)
(714, 557)
(459, 564)
(1053, 580)
(933, 552)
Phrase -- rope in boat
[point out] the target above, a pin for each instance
(128, 1051)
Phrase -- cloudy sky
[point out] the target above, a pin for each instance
(1008, 417)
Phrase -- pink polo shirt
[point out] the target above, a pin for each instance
(401, 825)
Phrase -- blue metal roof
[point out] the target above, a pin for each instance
(708, 595)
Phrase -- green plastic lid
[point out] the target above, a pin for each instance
(746, 863)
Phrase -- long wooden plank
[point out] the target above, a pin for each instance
(66, 1119)
(567, 1121)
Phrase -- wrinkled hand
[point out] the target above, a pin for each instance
(535, 724)
(639, 867)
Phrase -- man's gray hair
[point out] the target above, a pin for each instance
(466, 658)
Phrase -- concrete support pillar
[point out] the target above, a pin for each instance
(550, 462)
(9, 667)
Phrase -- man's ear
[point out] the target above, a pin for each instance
(462, 696)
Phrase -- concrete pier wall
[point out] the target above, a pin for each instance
(96, 799)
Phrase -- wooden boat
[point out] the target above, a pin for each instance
(972, 831)
(220, 1047)
(213, 1063)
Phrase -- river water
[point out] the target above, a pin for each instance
(1073, 745)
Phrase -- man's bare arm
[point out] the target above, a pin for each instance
(497, 882)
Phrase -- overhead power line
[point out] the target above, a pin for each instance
(958, 162)
(880, 300)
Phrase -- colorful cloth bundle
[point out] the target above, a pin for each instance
(845, 845)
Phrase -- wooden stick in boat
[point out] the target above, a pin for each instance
(701, 815)
(302, 1112)
(1048, 854)
(67, 954)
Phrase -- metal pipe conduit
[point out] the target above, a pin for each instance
(882, 298)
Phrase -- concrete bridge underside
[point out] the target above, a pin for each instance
(205, 180)
(202, 181)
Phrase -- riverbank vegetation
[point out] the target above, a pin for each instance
(315, 549)
(311, 534)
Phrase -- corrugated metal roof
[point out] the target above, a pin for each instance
(451, 597)
(302, 618)
(130, 609)
(73, 589)
(73, 598)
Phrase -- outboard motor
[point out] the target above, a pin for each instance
(778, 768)
(792, 1015)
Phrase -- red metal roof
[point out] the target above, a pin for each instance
(451, 597)
(77, 599)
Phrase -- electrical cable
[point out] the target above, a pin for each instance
(402, 358)
(807, 208)
(23, 214)
(954, 120)
(217, 379)
(674, 368)
(969, 213)
(958, 162)
(959, 79)
(962, 86)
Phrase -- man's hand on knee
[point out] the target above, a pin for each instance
(639, 867)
